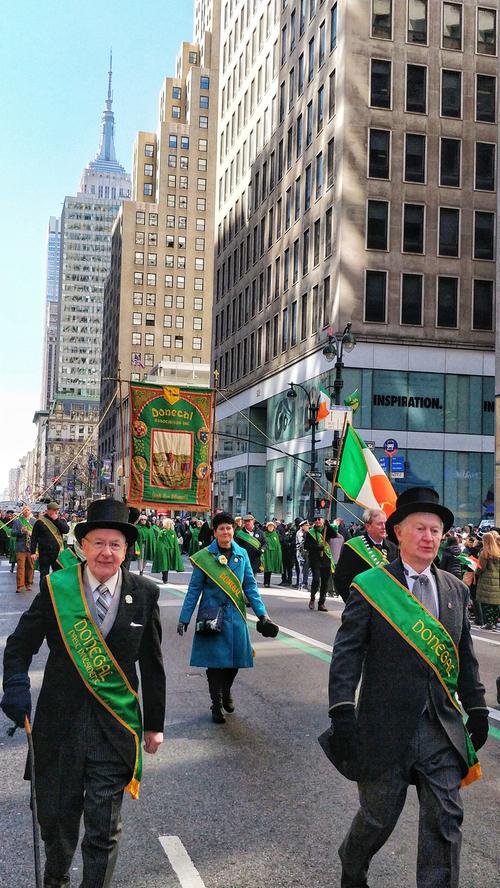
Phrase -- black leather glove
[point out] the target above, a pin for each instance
(266, 628)
(477, 726)
(343, 741)
(16, 701)
(181, 628)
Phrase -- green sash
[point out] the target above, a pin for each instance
(5, 527)
(426, 635)
(328, 552)
(67, 558)
(222, 576)
(93, 660)
(53, 530)
(372, 556)
(248, 538)
(24, 521)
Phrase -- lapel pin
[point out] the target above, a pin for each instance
(236, 559)
(128, 599)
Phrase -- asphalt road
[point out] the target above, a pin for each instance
(252, 803)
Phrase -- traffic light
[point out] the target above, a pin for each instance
(329, 474)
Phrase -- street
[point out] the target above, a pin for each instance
(253, 803)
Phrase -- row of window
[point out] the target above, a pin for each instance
(452, 24)
(147, 359)
(416, 91)
(412, 300)
(167, 322)
(315, 244)
(184, 162)
(171, 221)
(449, 171)
(151, 258)
(168, 301)
(413, 239)
(140, 238)
(198, 283)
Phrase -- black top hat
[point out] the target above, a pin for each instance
(107, 514)
(418, 499)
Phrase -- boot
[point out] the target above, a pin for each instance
(51, 882)
(311, 604)
(227, 700)
(216, 698)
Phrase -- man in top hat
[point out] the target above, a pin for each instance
(47, 539)
(252, 540)
(361, 552)
(98, 621)
(405, 634)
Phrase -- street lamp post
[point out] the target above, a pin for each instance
(338, 343)
(313, 408)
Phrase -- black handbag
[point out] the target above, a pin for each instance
(210, 620)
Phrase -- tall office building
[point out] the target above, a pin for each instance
(51, 312)
(85, 255)
(356, 183)
(158, 298)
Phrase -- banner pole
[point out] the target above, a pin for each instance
(212, 455)
(122, 429)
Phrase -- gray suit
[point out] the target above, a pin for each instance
(408, 732)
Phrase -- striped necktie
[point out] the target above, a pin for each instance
(102, 603)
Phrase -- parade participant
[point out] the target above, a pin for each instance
(98, 621)
(405, 634)
(273, 561)
(9, 520)
(302, 555)
(5, 532)
(194, 533)
(252, 540)
(145, 542)
(222, 577)
(22, 529)
(47, 539)
(488, 581)
(316, 544)
(361, 552)
(167, 552)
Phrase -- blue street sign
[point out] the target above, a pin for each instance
(391, 447)
(398, 464)
(384, 462)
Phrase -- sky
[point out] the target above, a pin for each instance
(53, 84)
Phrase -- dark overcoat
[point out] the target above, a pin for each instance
(350, 564)
(395, 680)
(135, 637)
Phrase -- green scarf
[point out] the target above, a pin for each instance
(93, 660)
(424, 633)
(215, 567)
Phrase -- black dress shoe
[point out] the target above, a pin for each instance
(321, 607)
(217, 716)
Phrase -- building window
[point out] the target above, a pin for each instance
(197, 343)
(452, 26)
(333, 27)
(482, 308)
(150, 298)
(148, 359)
(293, 324)
(152, 239)
(151, 279)
(138, 278)
(484, 235)
(172, 141)
(152, 259)
(416, 89)
(413, 228)
(379, 154)
(172, 161)
(203, 122)
(485, 162)
(328, 232)
(415, 146)
(319, 174)
(176, 92)
(204, 102)
(136, 338)
(149, 150)
(310, 64)
(199, 264)
(140, 217)
(204, 82)
(153, 219)
(375, 296)
(411, 299)
(149, 339)
(137, 299)
(377, 225)
(449, 163)
(330, 163)
(167, 340)
(284, 329)
(382, 19)
(485, 98)
(451, 93)
(139, 258)
(320, 109)
(486, 42)
(447, 302)
(148, 189)
(309, 123)
(305, 252)
(179, 301)
(167, 320)
(197, 323)
(380, 83)
(331, 94)
(202, 144)
(148, 169)
(176, 112)
(137, 318)
(417, 21)
(198, 284)
(449, 232)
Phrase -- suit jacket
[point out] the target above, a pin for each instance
(44, 539)
(396, 683)
(350, 564)
(255, 555)
(317, 558)
(134, 637)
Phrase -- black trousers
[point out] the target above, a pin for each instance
(320, 579)
(46, 563)
(87, 777)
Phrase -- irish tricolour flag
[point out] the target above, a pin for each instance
(323, 405)
(469, 561)
(361, 476)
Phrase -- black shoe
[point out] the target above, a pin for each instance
(217, 716)
(51, 882)
(311, 604)
(228, 702)
(321, 607)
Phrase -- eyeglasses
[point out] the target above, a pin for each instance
(101, 544)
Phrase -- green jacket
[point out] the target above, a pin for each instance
(167, 553)
(273, 556)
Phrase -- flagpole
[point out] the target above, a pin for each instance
(334, 478)
(122, 429)
(212, 455)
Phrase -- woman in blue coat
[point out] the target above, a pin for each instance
(222, 652)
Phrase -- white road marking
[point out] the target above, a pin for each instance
(298, 635)
(181, 862)
(494, 714)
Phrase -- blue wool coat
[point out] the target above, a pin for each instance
(230, 648)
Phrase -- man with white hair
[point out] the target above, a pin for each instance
(361, 552)
(405, 635)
